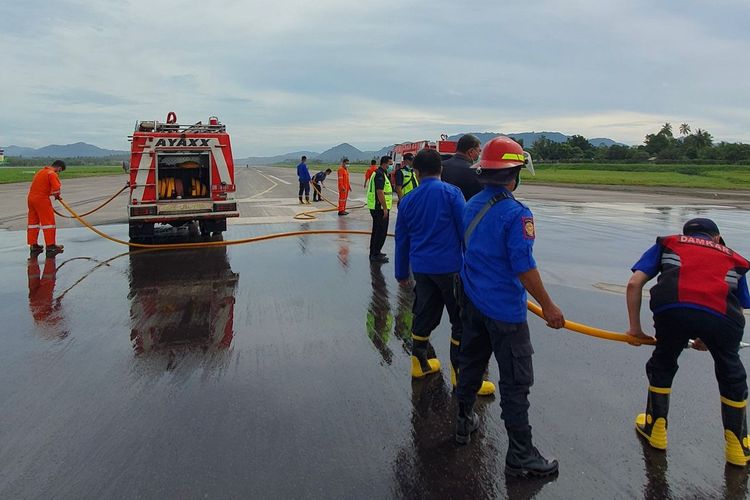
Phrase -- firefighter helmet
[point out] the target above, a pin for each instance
(503, 153)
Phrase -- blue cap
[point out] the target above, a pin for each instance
(701, 225)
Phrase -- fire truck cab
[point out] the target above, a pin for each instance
(179, 174)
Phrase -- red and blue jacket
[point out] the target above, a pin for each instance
(697, 273)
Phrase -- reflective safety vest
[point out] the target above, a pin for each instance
(700, 272)
(410, 181)
(387, 191)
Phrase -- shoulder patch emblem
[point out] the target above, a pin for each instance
(529, 232)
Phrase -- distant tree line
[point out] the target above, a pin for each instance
(663, 147)
(21, 161)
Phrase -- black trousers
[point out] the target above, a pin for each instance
(304, 187)
(432, 293)
(511, 345)
(379, 232)
(316, 188)
(674, 327)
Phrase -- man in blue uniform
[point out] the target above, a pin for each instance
(303, 174)
(428, 237)
(317, 184)
(498, 270)
(700, 294)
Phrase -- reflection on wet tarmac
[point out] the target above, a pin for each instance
(379, 320)
(655, 467)
(181, 299)
(404, 316)
(273, 390)
(45, 309)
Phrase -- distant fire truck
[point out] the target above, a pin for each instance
(179, 174)
(443, 146)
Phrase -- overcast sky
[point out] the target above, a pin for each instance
(286, 75)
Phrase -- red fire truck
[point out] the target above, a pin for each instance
(443, 146)
(179, 174)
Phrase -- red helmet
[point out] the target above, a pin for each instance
(501, 153)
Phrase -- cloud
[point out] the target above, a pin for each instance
(300, 74)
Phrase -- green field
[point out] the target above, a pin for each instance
(683, 176)
(25, 174)
(621, 174)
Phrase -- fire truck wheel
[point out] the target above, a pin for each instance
(141, 231)
(212, 227)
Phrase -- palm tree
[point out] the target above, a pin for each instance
(703, 139)
(666, 129)
(684, 129)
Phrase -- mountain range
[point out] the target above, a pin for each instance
(77, 150)
(332, 155)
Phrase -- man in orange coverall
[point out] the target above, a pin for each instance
(344, 186)
(41, 215)
(370, 171)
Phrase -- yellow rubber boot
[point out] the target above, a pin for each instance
(652, 425)
(486, 389)
(737, 441)
(423, 360)
(432, 365)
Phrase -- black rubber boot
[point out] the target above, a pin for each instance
(523, 459)
(737, 441)
(35, 250)
(467, 422)
(652, 425)
(53, 250)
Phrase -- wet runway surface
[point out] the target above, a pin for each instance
(280, 370)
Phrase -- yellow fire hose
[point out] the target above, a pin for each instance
(593, 332)
(203, 244)
(126, 186)
(534, 308)
(308, 214)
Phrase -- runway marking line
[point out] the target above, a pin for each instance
(278, 179)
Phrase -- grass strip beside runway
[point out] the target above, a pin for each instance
(25, 174)
(735, 177)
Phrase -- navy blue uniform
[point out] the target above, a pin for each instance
(429, 229)
(303, 174)
(494, 308)
(317, 181)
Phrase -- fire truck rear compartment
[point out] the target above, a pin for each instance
(183, 176)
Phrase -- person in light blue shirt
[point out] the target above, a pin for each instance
(428, 239)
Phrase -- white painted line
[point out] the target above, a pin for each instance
(280, 180)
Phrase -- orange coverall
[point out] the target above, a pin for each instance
(369, 173)
(344, 187)
(41, 216)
